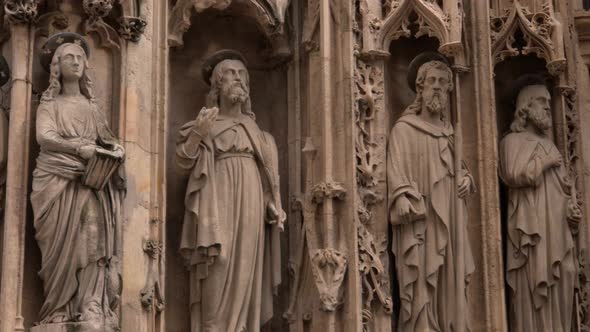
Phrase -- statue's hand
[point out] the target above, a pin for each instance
(574, 213)
(119, 151)
(86, 152)
(464, 187)
(205, 120)
(404, 209)
(553, 159)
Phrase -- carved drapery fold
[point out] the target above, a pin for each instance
(540, 30)
(269, 14)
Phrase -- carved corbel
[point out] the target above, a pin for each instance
(131, 28)
(541, 33)
(152, 295)
(21, 11)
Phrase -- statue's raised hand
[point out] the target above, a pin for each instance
(205, 120)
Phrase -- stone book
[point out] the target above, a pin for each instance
(100, 168)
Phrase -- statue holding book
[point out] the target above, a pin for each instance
(233, 214)
(77, 196)
(427, 208)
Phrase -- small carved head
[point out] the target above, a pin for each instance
(230, 80)
(533, 107)
(434, 82)
(69, 62)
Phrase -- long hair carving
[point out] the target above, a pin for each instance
(212, 99)
(416, 106)
(54, 89)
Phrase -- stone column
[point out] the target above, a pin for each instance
(487, 174)
(142, 131)
(13, 255)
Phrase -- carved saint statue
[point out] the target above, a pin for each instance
(541, 267)
(428, 228)
(77, 221)
(233, 211)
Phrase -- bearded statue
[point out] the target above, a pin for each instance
(233, 212)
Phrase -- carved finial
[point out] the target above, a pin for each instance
(131, 28)
(21, 11)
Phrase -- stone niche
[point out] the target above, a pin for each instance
(210, 31)
(105, 72)
(398, 96)
(507, 73)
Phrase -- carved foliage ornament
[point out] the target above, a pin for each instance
(97, 8)
(151, 294)
(571, 162)
(369, 94)
(270, 14)
(21, 11)
(131, 28)
(540, 31)
(328, 264)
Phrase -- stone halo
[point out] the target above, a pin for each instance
(48, 49)
(418, 61)
(212, 60)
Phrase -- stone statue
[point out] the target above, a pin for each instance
(233, 212)
(422, 200)
(541, 267)
(76, 198)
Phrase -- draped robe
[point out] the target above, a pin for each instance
(77, 228)
(420, 163)
(541, 267)
(234, 257)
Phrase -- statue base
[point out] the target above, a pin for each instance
(76, 327)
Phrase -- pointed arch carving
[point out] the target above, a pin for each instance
(540, 31)
(443, 23)
(269, 15)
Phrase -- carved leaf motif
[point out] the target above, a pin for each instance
(21, 11)
(97, 8)
(131, 28)
(324, 190)
(329, 267)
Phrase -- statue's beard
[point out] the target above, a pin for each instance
(236, 92)
(542, 122)
(436, 103)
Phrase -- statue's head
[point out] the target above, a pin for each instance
(433, 85)
(230, 81)
(69, 63)
(533, 107)
(71, 60)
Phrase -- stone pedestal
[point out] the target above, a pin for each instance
(94, 326)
